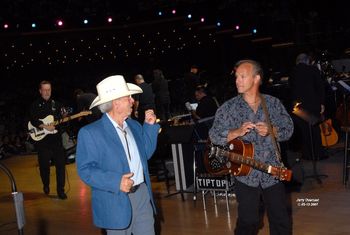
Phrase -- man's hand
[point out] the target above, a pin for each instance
(262, 128)
(126, 183)
(48, 127)
(244, 129)
(150, 117)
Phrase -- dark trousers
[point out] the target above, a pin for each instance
(274, 199)
(55, 153)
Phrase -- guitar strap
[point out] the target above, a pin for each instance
(269, 126)
(53, 106)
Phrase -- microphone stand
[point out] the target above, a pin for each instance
(17, 198)
(315, 175)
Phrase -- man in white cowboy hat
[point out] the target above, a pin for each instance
(112, 156)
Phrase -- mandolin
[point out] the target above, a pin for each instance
(237, 159)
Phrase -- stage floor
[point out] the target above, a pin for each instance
(46, 215)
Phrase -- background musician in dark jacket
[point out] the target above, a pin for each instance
(50, 147)
(143, 101)
(307, 89)
(162, 96)
(84, 100)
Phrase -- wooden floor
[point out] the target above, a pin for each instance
(45, 215)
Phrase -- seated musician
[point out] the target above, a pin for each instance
(243, 118)
(207, 106)
(203, 115)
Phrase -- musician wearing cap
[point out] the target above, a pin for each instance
(112, 155)
(255, 118)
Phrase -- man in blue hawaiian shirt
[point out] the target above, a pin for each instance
(243, 117)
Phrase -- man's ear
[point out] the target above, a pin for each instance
(115, 102)
(257, 79)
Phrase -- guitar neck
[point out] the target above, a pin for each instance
(66, 119)
(281, 173)
(239, 159)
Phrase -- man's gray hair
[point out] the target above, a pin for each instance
(105, 107)
(257, 69)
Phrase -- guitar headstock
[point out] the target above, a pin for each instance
(281, 173)
(217, 151)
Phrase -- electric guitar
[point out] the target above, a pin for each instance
(329, 136)
(237, 159)
(38, 134)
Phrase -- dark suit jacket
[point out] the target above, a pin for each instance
(307, 87)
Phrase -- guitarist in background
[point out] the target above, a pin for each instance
(242, 117)
(50, 147)
(308, 89)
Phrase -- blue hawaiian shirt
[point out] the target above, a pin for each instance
(233, 113)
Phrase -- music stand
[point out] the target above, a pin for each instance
(201, 135)
(180, 138)
(345, 88)
(311, 120)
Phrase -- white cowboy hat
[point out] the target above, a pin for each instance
(112, 88)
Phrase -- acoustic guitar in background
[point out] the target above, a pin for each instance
(329, 136)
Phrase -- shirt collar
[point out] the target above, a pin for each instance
(116, 126)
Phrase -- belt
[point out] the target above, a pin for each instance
(134, 188)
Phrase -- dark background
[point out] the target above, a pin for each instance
(139, 40)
